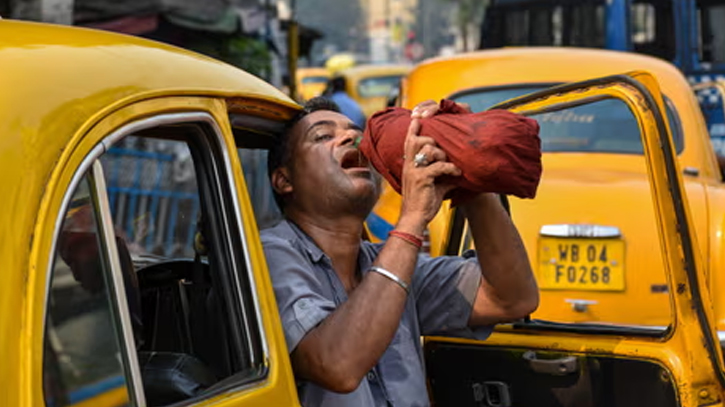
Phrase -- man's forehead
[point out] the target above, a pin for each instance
(322, 117)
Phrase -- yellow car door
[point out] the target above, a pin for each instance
(550, 363)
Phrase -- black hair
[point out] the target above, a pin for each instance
(282, 150)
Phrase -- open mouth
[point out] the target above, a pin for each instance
(353, 159)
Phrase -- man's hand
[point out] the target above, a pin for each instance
(422, 194)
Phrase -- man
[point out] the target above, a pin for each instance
(337, 92)
(353, 311)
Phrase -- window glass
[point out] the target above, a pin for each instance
(711, 14)
(544, 23)
(82, 359)
(606, 127)
(314, 79)
(171, 208)
(378, 86)
(591, 232)
(254, 163)
(653, 28)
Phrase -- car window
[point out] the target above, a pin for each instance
(378, 86)
(254, 162)
(606, 127)
(172, 205)
(82, 352)
(314, 79)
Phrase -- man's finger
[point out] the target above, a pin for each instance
(433, 153)
(465, 106)
(409, 147)
(424, 109)
(439, 168)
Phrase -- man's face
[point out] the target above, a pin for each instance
(328, 173)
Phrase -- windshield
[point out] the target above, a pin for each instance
(314, 79)
(378, 86)
(605, 127)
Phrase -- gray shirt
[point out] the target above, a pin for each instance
(308, 290)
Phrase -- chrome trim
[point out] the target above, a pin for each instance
(245, 246)
(691, 171)
(721, 336)
(74, 182)
(580, 230)
(119, 287)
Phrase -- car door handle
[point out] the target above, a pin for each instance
(555, 367)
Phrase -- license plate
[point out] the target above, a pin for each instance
(581, 264)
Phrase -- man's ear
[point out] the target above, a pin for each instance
(281, 181)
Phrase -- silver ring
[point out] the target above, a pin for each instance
(420, 160)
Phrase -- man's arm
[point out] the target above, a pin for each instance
(508, 289)
(341, 350)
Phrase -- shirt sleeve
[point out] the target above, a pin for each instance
(445, 289)
(300, 300)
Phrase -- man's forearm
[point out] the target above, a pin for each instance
(508, 283)
(348, 343)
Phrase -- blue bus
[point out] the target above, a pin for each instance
(689, 33)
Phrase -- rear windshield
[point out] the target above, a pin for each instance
(605, 127)
(314, 79)
(378, 86)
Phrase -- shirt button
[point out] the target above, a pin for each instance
(371, 376)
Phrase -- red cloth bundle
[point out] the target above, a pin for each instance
(497, 151)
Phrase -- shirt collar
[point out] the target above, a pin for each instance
(315, 253)
(365, 257)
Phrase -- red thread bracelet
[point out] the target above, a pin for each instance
(408, 237)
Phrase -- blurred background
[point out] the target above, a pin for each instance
(255, 34)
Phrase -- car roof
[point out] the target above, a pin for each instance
(58, 81)
(312, 71)
(360, 71)
(60, 77)
(441, 77)
(500, 67)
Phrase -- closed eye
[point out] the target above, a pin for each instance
(322, 137)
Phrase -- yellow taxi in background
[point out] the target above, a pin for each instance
(591, 230)
(311, 82)
(133, 274)
(372, 85)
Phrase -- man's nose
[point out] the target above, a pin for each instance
(348, 137)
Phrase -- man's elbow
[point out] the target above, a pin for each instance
(337, 377)
(521, 308)
(341, 382)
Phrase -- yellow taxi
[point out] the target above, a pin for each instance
(311, 82)
(591, 230)
(372, 85)
(133, 274)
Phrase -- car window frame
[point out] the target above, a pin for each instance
(91, 170)
(670, 109)
(686, 274)
(258, 348)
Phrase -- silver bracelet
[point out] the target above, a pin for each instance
(391, 276)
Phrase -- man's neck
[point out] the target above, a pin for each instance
(339, 239)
